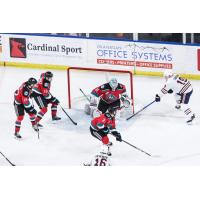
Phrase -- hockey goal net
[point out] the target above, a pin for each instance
(87, 79)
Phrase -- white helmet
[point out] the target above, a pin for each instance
(113, 83)
(167, 73)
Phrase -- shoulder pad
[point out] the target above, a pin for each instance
(121, 86)
(107, 86)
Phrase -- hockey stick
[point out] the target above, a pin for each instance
(84, 95)
(66, 113)
(68, 116)
(140, 110)
(137, 148)
(7, 159)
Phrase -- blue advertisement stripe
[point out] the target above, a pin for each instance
(108, 39)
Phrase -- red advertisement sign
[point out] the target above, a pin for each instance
(135, 63)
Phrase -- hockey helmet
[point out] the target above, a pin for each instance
(31, 82)
(113, 83)
(167, 73)
(48, 75)
(111, 111)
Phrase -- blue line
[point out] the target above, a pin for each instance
(108, 39)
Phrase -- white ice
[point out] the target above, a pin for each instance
(160, 129)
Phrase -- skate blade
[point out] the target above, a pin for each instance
(190, 123)
(18, 138)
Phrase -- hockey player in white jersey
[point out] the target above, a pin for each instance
(100, 159)
(182, 90)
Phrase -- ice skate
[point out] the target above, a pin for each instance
(55, 118)
(35, 128)
(110, 144)
(189, 121)
(17, 136)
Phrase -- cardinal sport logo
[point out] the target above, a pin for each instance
(17, 47)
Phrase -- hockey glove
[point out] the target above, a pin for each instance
(32, 110)
(54, 100)
(124, 97)
(117, 135)
(157, 98)
(126, 103)
(170, 91)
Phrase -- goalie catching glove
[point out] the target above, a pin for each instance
(116, 134)
(125, 100)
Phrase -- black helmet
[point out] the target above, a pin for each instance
(48, 74)
(111, 112)
(31, 81)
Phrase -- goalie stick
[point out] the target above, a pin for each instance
(7, 159)
(84, 95)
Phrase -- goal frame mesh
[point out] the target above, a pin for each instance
(98, 70)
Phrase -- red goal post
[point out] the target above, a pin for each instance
(69, 69)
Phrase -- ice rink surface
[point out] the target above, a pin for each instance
(160, 130)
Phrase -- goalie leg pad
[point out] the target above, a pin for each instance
(87, 109)
(92, 111)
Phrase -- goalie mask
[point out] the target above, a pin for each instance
(113, 83)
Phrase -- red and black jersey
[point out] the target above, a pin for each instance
(107, 94)
(103, 121)
(43, 87)
(22, 95)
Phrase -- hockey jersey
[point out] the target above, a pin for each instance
(100, 160)
(177, 84)
(103, 121)
(43, 87)
(22, 95)
(105, 92)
